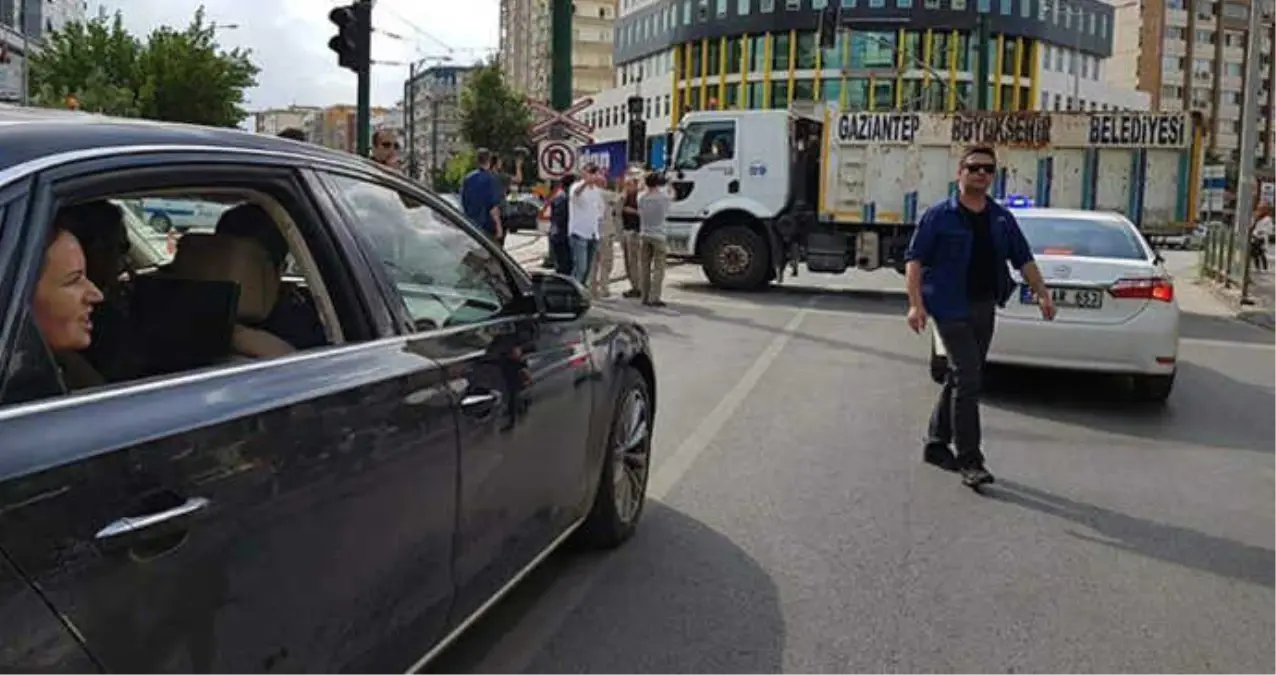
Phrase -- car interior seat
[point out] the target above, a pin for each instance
(246, 263)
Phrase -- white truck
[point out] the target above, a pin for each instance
(757, 192)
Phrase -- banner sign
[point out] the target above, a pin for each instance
(610, 157)
(1021, 129)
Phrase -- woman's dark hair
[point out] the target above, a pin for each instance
(90, 223)
(653, 180)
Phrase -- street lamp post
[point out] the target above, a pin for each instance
(1249, 139)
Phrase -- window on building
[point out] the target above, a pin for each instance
(876, 4)
(721, 7)
(984, 6)
(904, 4)
(780, 52)
(931, 4)
(1047, 60)
(686, 12)
(779, 95)
(1006, 7)
(742, 7)
(1233, 70)
(792, 5)
(1025, 9)
(1045, 100)
(959, 5)
(1205, 37)
(857, 94)
(806, 50)
(1058, 59)
(766, 6)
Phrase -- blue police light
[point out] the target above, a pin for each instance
(1018, 201)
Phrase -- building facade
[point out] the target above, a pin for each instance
(681, 55)
(336, 126)
(1192, 57)
(23, 25)
(433, 121)
(271, 122)
(525, 41)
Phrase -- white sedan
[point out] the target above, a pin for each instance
(1115, 299)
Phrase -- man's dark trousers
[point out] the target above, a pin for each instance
(956, 415)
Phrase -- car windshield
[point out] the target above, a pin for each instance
(1089, 237)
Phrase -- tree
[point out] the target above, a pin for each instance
(493, 115)
(174, 75)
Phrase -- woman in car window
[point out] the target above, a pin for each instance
(62, 306)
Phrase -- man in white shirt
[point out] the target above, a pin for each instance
(1258, 234)
(585, 211)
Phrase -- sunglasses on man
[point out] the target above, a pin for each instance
(980, 167)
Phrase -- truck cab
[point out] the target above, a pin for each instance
(732, 174)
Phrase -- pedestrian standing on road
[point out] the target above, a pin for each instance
(559, 236)
(653, 208)
(293, 134)
(584, 218)
(385, 149)
(1258, 233)
(608, 233)
(956, 272)
(481, 196)
(630, 243)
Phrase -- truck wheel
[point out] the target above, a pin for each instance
(735, 259)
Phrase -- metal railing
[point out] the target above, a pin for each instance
(1224, 253)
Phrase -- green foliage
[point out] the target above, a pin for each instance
(493, 115)
(174, 75)
(454, 171)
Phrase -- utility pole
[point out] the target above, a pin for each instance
(409, 119)
(982, 65)
(1249, 139)
(434, 139)
(560, 54)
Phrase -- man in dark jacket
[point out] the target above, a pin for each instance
(956, 272)
(560, 249)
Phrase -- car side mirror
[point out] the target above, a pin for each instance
(559, 297)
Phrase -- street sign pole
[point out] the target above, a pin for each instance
(363, 113)
(560, 54)
(1249, 139)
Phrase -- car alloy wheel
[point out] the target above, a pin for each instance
(630, 454)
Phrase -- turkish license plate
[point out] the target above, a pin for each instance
(1079, 298)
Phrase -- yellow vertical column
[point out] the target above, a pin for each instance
(1015, 97)
(844, 97)
(998, 65)
(675, 110)
(872, 91)
(792, 62)
(952, 72)
(744, 71)
(1034, 81)
(767, 46)
(901, 56)
(928, 53)
(722, 73)
(704, 74)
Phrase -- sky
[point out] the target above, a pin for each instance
(289, 41)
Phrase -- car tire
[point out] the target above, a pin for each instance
(161, 223)
(752, 275)
(938, 364)
(610, 523)
(1153, 388)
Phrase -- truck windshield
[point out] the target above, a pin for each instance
(705, 142)
(1090, 237)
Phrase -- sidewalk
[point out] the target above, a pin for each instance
(1205, 296)
(1260, 310)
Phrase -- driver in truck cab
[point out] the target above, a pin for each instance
(956, 272)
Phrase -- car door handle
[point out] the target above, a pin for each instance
(481, 404)
(136, 524)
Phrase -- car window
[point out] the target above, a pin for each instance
(1091, 237)
(445, 275)
(706, 142)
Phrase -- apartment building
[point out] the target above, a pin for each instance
(275, 120)
(434, 118)
(23, 25)
(525, 42)
(336, 126)
(1192, 56)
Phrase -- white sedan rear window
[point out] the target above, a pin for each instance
(1082, 237)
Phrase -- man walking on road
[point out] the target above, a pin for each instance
(585, 211)
(653, 208)
(956, 272)
(481, 196)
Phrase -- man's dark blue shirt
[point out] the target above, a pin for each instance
(943, 242)
(480, 192)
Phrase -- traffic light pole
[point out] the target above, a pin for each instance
(363, 114)
(560, 55)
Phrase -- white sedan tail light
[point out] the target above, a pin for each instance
(1151, 288)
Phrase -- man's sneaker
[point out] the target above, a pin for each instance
(976, 476)
(938, 454)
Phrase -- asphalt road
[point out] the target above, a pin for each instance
(793, 528)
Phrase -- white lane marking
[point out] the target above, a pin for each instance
(1228, 344)
(520, 645)
(673, 468)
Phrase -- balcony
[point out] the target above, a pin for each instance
(1175, 48)
(1234, 54)
(1176, 17)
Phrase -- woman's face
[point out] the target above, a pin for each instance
(64, 297)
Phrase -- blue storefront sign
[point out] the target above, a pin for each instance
(656, 152)
(610, 157)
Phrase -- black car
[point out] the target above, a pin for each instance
(324, 436)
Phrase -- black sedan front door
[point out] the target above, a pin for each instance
(524, 389)
(286, 514)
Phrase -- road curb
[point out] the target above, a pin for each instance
(1251, 314)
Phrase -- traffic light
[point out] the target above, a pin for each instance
(353, 40)
(828, 25)
(636, 149)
